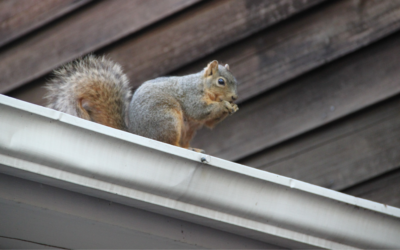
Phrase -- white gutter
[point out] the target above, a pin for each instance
(44, 145)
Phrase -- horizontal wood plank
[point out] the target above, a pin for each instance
(191, 35)
(383, 189)
(313, 100)
(18, 18)
(305, 42)
(33, 92)
(84, 31)
(341, 154)
(196, 33)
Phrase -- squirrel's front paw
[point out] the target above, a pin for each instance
(231, 107)
(235, 107)
(228, 107)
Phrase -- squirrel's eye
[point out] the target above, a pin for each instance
(221, 81)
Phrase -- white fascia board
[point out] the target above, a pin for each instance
(45, 145)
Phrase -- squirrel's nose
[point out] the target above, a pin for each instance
(234, 97)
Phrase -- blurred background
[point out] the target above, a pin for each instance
(319, 92)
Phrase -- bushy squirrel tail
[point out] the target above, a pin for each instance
(93, 88)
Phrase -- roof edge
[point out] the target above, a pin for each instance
(41, 144)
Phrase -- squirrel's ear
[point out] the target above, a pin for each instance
(227, 66)
(212, 68)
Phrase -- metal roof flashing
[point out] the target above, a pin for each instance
(54, 148)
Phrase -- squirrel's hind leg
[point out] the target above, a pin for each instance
(189, 130)
(172, 130)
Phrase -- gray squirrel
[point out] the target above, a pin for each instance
(167, 109)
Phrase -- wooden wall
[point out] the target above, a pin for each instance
(319, 92)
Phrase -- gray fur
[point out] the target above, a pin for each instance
(168, 109)
(150, 109)
(71, 78)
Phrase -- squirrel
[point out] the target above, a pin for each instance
(167, 109)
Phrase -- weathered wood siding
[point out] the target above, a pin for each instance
(320, 79)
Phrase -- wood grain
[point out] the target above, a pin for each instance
(33, 92)
(343, 154)
(18, 18)
(383, 189)
(308, 102)
(84, 31)
(196, 33)
(187, 37)
(305, 42)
